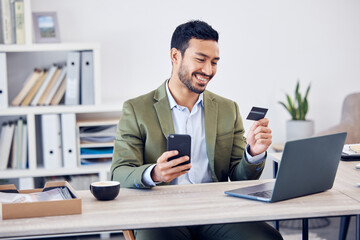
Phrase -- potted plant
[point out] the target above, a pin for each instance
(298, 127)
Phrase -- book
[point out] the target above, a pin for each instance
(16, 146)
(55, 87)
(26, 87)
(31, 94)
(6, 22)
(49, 86)
(19, 22)
(46, 81)
(60, 93)
(12, 16)
(24, 148)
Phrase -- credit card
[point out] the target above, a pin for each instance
(257, 113)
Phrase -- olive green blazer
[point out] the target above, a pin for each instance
(146, 122)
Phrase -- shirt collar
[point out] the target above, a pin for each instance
(173, 102)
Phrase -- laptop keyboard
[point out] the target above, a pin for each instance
(263, 194)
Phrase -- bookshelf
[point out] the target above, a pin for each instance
(20, 60)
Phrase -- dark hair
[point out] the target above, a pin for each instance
(192, 29)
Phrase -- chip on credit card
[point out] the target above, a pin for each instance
(257, 113)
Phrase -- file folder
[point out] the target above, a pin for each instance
(87, 78)
(3, 82)
(69, 146)
(72, 93)
(51, 141)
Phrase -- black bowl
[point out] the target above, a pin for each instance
(105, 190)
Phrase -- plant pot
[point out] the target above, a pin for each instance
(297, 129)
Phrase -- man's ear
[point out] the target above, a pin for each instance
(175, 56)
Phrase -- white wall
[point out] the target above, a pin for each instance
(265, 46)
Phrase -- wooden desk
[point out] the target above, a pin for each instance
(346, 179)
(178, 206)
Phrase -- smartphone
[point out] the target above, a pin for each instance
(181, 143)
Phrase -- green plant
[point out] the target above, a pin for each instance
(298, 107)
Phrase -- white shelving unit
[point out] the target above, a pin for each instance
(19, 59)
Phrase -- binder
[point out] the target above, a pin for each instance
(3, 81)
(69, 147)
(6, 138)
(42, 88)
(72, 93)
(51, 140)
(87, 78)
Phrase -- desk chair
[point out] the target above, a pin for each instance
(350, 122)
(128, 234)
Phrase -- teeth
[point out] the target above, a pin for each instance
(201, 79)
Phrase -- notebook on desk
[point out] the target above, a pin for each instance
(307, 166)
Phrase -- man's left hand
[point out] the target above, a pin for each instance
(259, 137)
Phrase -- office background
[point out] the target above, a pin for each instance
(265, 47)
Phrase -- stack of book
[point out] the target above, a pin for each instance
(13, 145)
(43, 87)
(71, 83)
(12, 29)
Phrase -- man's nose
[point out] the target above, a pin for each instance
(207, 68)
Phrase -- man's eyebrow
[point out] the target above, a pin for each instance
(204, 55)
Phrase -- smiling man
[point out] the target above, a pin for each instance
(219, 150)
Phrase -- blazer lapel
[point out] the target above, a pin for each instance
(163, 111)
(210, 115)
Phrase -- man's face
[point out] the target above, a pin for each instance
(199, 63)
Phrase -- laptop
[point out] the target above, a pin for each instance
(307, 166)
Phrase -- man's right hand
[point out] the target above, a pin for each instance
(165, 170)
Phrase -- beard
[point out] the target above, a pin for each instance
(186, 79)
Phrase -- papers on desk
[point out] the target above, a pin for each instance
(51, 195)
(351, 152)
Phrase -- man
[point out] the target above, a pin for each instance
(181, 105)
